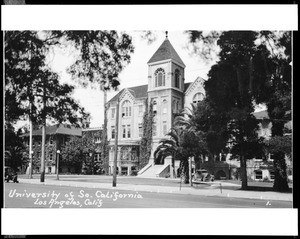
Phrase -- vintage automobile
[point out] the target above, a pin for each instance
(10, 175)
(203, 175)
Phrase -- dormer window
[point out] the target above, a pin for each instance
(198, 97)
(160, 79)
(126, 109)
(177, 78)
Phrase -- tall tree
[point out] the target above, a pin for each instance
(35, 87)
(230, 89)
(102, 56)
(276, 66)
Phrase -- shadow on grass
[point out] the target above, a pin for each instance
(264, 189)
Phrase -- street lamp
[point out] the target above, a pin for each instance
(91, 154)
(57, 164)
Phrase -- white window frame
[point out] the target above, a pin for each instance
(160, 71)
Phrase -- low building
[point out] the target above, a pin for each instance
(56, 137)
(258, 169)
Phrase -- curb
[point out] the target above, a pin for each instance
(212, 192)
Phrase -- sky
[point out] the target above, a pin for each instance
(134, 74)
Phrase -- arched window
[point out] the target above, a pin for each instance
(198, 97)
(160, 77)
(126, 109)
(177, 78)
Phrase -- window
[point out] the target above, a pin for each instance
(97, 157)
(272, 175)
(128, 131)
(124, 131)
(223, 157)
(113, 132)
(140, 130)
(50, 141)
(50, 157)
(154, 107)
(177, 78)
(141, 109)
(113, 113)
(154, 129)
(160, 77)
(198, 97)
(177, 106)
(164, 107)
(258, 174)
(165, 131)
(126, 109)
(97, 140)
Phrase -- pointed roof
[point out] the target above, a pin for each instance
(164, 52)
(140, 91)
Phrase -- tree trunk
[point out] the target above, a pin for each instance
(280, 182)
(184, 171)
(244, 172)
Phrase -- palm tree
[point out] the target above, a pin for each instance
(187, 119)
(196, 139)
(173, 146)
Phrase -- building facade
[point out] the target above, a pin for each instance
(169, 94)
(56, 138)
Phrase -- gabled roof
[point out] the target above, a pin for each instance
(140, 91)
(186, 85)
(165, 52)
(57, 129)
(136, 91)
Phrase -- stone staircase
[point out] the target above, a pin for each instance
(152, 171)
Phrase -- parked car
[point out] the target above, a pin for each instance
(10, 175)
(203, 175)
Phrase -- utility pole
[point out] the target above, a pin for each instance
(30, 143)
(43, 134)
(116, 145)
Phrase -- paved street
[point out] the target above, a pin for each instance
(51, 196)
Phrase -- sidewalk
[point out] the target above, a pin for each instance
(212, 189)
